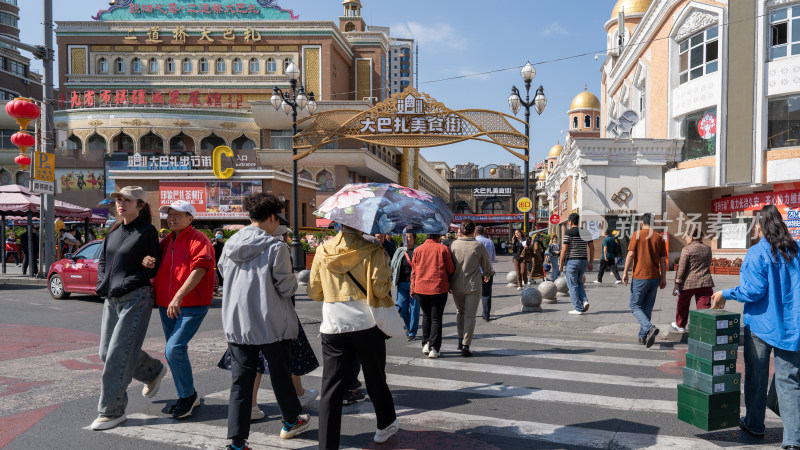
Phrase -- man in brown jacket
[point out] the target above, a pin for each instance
(470, 257)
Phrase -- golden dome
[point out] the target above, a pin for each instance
(492, 171)
(630, 7)
(543, 175)
(555, 151)
(585, 100)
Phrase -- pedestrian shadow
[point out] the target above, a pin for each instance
(773, 436)
(84, 298)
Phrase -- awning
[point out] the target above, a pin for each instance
(323, 223)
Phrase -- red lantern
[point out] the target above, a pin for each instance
(23, 110)
(23, 140)
(23, 161)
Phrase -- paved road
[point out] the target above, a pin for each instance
(537, 381)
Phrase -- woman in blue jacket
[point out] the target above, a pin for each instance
(769, 280)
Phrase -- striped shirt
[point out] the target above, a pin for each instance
(577, 250)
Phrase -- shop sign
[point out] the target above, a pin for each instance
(622, 197)
(410, 118)
(555, 219)
(102, 98)
(491, 218)
(707, 126)
(44, 173)
(754, 202)
(492, 192)
(498, 231)
(793, 224)
(242, 160)
(211, 199)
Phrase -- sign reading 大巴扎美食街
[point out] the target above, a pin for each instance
(159, 10)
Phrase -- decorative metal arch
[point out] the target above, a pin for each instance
(448, 126)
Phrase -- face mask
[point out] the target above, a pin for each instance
(219, 236)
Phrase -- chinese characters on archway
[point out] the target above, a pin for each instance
(179, 34)
(416, 122)
(140, 97)
(194, 8)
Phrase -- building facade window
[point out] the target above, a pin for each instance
(254, 66)
(783, 122)
(8, 19)
(699, 132)
(587, 121)
(272, 66)
(119, 65)
(286, 63)
(280, 139)
(17, 68)
(220, 65)
(597, 122)
(136, 65)
(102, 65)
(169, 66)
(699, 55)
(153, 65)
(784, 32)
(203, 65)
(187, 65)
(575, 122)
(237, 65)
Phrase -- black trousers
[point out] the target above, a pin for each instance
(338, 351)
(27, 261)
(432, 312)
(244, 360)
(608, 265)
(486, 297)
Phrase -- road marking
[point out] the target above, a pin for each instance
(542, 354)
(568, 343)
(596, 378)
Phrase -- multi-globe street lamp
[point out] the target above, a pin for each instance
(538, 103)
(290, 102)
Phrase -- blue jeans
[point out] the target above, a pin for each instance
(575, 271)
(643, 298)
(125, 321)
(554, 270)
(408, 307)
(178, 333)
(787, 383)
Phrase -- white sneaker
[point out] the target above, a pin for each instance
(519, 288)
(425, 349)
(106, 423)
(675, 327)
(433, 354)
(597, 282)
(151, 389)
(309, 395)
(256, 413)
(383, 435)
(585, 306)
(618, 282)
(574, 312)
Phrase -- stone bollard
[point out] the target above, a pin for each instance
(303, 276)
(531, 300)
(561, 286)
(549, 291)
(511, 277)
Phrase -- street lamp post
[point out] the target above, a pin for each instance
(539, 102)
(290, 103)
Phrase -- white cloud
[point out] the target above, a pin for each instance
(434, 35)
(554, 28)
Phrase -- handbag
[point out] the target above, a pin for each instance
(388, 320)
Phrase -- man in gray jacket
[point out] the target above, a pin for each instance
(258, 315)
(473, 267)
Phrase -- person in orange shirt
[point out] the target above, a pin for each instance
(431, 269)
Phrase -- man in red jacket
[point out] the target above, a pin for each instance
(184, 288)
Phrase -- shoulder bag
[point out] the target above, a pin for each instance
(388, 320)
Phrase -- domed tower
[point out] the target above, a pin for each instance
(584, 116)
(552, 157)
(351, 20)
(631, 12)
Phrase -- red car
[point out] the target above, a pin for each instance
(77, 272)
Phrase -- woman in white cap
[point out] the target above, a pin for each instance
(184, 288)
(125, 285)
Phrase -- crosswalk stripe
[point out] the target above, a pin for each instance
(540, 354)
(568, 342)
(617, 380)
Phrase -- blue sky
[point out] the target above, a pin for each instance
(460, 37)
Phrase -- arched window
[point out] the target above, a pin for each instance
(170, 66)
(122, 143)
(5, 177)
(151, 142)
(203, 65)
(243, 143)
(187, 65)
(211, 142)
(181, 144)
(587, 121)
(306, 175)
(136, 65)
(349, 26)
(73, 147)
(325, 181)
(598, 122)
(119, 65)
(96, 143)
(153, 66)
(286, 63)
(23, 178)
(237, 65)
(272, 66)
(254, 65)
(575, 122)
(102, 65)
(220, 65)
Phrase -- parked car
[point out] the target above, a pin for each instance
(76, 272)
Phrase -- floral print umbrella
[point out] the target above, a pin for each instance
(386, 208)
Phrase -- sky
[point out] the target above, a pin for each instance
(460, 38)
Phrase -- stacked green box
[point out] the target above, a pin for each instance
(710, 394)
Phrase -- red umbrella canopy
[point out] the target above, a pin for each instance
(16, 198)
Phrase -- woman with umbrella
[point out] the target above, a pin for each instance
(407, 305)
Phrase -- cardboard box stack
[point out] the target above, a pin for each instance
(710, 394)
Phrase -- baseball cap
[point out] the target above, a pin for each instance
(131, 193)
(281, 220)
(179, 205)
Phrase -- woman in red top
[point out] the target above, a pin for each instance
(431, 268)
(184, 288)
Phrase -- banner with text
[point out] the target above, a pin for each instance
(211, 199)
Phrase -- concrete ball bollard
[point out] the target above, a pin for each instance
(531, 300)
(549, 291)
(303, 276)
(561, 285)
(511, 277)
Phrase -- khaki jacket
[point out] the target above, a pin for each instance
(471, 260)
